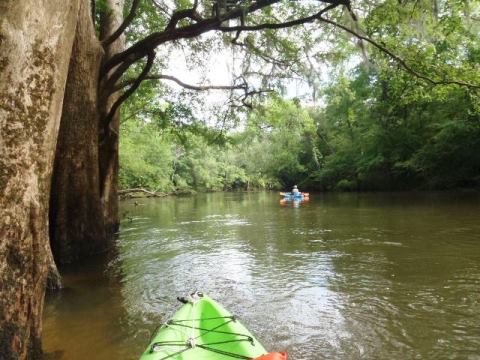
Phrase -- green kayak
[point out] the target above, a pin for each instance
(202, 330)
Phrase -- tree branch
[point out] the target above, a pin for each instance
(128, 19)
(163, 9)
(398, 59)
(129, 91)
(183, 14)
(283, 25)
(139, 49)
(252, 93)
(182, 84)
(122, 61)
(267, 58)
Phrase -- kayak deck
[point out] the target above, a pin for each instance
(203, 330)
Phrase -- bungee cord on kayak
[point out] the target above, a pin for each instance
(201, 330)
(191, 342)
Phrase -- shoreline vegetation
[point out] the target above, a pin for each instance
(356, 142)
(128, 194)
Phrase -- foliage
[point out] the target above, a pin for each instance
(378, 126)
(371, 135)
(274, 149)
(390, 138)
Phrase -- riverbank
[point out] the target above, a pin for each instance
(139, 193)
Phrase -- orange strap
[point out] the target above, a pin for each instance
(273, 356)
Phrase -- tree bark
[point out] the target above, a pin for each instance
(84, 201)
(36, 39)
(108, 150)
(76, 217)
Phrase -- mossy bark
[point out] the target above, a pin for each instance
(76, 218)
(35, 45)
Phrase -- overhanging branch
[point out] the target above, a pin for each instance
(128, 19)
(252, 93)
(398, 59)
(139, 49)
(122, 61)
(129, 91)
(183, 14)
(283, 25)
(182, 84)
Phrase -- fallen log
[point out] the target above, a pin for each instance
(135, 193)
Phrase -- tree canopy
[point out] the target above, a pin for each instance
(398, 109)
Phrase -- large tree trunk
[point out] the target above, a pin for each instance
(108, 151)
(76, 217)
(84, 202)
(36, 39)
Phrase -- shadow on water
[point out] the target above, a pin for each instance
(87, 319)
(344, 276)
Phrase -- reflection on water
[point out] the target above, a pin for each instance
(296, 203)
(345, 276)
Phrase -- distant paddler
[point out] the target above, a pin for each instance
(294, 194)
(297, 193)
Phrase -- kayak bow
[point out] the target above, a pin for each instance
(202, 330)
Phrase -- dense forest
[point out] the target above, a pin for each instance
(393, 103)
(373, 124)
(356, 142)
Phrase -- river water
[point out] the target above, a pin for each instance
(344, 276)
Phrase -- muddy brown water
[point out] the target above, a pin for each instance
(344, 276)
